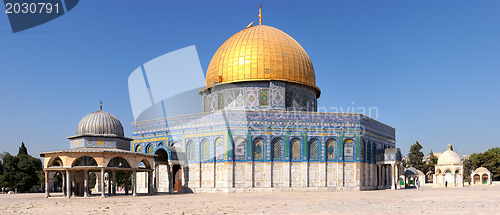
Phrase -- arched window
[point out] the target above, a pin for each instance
(295, 149)
(205, 150)
(138, 148)
(191, 151)
(85, 161)
(349, 150)
(219, 149)
(258, 148)
(149, 149)
(313, 149)
(277, 146)
(239, 149)
(118, 162)
(330, 149)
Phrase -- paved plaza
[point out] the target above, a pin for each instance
(466, 200)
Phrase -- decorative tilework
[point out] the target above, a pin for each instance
(205, 150)
(264, 97)
(348, 150)
(229, 99)
(239, 98)
(288, 99)
(252, 99)
(220, 101)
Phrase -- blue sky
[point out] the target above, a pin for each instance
(431, 68)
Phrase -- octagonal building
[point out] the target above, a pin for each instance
(259, 129)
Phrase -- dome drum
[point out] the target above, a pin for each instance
(259, 95)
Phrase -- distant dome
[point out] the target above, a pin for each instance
(100, 123)
(449, 157)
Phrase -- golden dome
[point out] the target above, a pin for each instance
(261, 53)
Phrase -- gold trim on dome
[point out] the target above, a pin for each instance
(261, 53)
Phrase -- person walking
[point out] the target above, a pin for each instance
(418, 184)
(446, 184)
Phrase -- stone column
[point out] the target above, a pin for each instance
(151, 182)
(134, 183)
(63, 185)
(47, 192)
(156, 177)
(126, 182)
(113, 183)
(103, 190)
(393, 174)
(68, 184)
(85, 183)
(170, 170)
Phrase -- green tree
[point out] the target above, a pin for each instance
(490, 160)
(22, 150)
(431, 163)
(415, 156)
(21, 171)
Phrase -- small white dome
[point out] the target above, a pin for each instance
(100, 123)
(449, 157)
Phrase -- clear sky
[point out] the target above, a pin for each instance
(431, 68)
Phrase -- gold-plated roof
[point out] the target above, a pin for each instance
(260, 53)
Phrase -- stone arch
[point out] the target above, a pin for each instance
(485, 178)
(330, 149)
(84, 161)
(56, 161)
(476, 178)
(295, 149)
(162, 156)
(258, 148)
(144, 164)
(313, 149)
(239, 149)
(191, 151)
(118, 162)
(277, 145)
